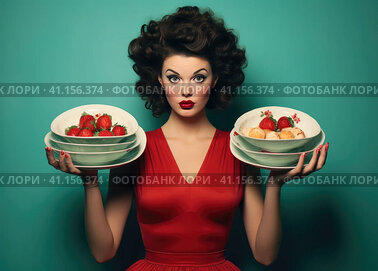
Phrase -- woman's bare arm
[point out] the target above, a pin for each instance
(261, 217)
(105, 226)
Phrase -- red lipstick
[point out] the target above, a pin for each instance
(186, 104)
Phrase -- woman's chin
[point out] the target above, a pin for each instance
(187, 113)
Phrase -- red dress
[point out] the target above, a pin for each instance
(185, 226)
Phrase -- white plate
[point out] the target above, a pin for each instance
(134, 154)
(75, 147)
(248, 160)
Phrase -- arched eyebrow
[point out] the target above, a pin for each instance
(199, 71)
(193, 72)
(172, 71)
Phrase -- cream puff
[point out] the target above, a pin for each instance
(272, 135)
(245, 131)
(297, 132)
(286, 134)
(256, 133)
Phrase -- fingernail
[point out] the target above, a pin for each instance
(48, 149)
(66, 155)
(303, 154)
(61, 152)
(326, 147)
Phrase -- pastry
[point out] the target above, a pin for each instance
(256, 133)
(272, 135)
(286, 134)
(297, 132)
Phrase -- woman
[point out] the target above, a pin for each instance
(194, 62)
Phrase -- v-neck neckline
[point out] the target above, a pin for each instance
(175, 162)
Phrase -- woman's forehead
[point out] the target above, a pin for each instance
(185, 65)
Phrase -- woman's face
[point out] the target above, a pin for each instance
(187, 79)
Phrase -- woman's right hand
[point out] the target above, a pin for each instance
(65, 164)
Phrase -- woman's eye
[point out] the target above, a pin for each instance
(174, 77)
(200, 78)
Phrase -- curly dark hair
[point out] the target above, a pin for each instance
(190, 33)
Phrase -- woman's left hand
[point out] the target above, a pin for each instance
(319, 156)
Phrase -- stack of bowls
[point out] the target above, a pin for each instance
(97, 151)
(279, 153)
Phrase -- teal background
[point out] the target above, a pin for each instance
(324, 228)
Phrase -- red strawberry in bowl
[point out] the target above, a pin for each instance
(84, 118)
(105, 133)
(267, 123)
(104, 122)
(90, 124)
(85, 132)
(284, 122)
(72, 130)
(119, 130)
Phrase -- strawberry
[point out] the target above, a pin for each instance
(119, 130)
(267, 123)
(104, 122)
(90, 124)
(284, 122)
(85, 132)
(85, 117)
(72, 130)
(105, 133)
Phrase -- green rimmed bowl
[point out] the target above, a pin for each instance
(274, 159)
(75, 147)
(72, 116)
(94, 158)
(252, 118)
(238, 154)
(128, 158)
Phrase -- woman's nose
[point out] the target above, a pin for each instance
(187, 90)
(187, 94)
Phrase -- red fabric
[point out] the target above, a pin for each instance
(186, 226)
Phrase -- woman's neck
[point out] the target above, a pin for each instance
(189, 127)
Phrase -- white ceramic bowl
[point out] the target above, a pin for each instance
(252, 118)
(75, 147)
(277, 159)
(248, 160)
(129, 157)
(93, 158)
(72, 116)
